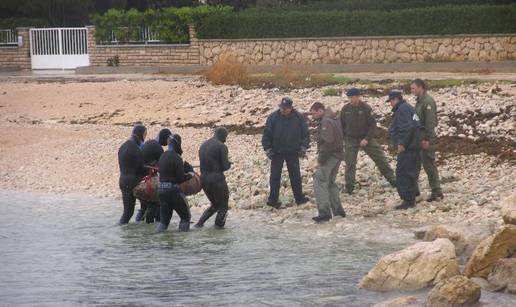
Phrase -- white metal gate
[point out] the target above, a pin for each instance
(59, 48)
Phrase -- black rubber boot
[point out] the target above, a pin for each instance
(161, 227)
(435, 197)
(204, 217)
(139, 216)
(220, 220)
(321, 219)
(184, 226)
(406, 204)
(275, 205)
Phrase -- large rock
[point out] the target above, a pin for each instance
(418, 266)
(500, 245)
(443, 232)
(455, 291)
(509, 209)
(503, 276)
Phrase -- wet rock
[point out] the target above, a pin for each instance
(418, 266)
(440, 231)
(509, 209)
(500, 245)
(503, 275)
(455, 291)
(399, 302)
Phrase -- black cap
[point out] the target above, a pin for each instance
(353, 92)
(286, 102)
(394, 94)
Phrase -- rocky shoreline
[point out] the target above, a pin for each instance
(63, 138)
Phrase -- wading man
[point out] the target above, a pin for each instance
(130, 162)
(213, 157)
(426, 110)
(358, 126)
(285, 139)
(330, 152)
(405, 136)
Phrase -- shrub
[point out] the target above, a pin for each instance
(169, 24)
(331, 92)
(287, 23)
(11, 23)
(227, 70)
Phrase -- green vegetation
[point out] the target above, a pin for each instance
(11, 23)
(255, 23)
(170, 24)
(331, 92)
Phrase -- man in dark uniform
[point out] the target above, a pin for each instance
(152, 151)
(426, 110)
(285, 139)
(358, 126)
(213, 157)
(405, 136)
(171, 174)
(130, 162)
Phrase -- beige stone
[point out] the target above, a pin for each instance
(508, 206)
(500, 245)
(503, 275)
(399, 302)
(418, 266)
(455, 291)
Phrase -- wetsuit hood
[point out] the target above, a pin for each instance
(138, 134)
(162, 137)
(221, 134)
(174, 143)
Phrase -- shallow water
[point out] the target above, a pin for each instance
(68, 251)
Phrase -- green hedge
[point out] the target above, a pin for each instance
(369, 5)
(11, 23)
(420, 21)
(171, 24)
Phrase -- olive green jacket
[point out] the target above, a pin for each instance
(426, 110)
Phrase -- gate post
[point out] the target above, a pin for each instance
(23, 54)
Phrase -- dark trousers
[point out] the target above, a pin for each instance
(407, 174)
(294, 174)
(129, 202)
(217, 191)
(171, 199)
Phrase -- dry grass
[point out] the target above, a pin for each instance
(227, 70)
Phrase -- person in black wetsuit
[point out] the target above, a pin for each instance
(152, 151)
(213, 157)
(130, 161)
(171, 174)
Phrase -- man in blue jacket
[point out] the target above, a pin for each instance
(285, 139)
(405, 135)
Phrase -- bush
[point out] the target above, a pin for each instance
(11, 23)
(432, 20)
(331, 92)
(169, 24)
(227, 70)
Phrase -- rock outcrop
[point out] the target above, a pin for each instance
(509, 209)
(455, 291)
(503, 276)
(399, 302)
(500, 245)
(418, 266)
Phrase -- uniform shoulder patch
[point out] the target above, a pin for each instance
(415, 117)
(429, 107)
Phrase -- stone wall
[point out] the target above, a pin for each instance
(144, 55)
(15, 57)
(362, 50)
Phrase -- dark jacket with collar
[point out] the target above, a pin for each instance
(286, 134)
(405, 126)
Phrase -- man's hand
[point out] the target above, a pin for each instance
(401, 148)
(302, 152)
(363, 143)
(269, 153)
(425, 145)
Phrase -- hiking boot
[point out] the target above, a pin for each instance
(406, 205)
(435, 197)
(321, 219)
(275, 205)
(303, 201)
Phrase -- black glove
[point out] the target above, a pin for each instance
(302, 152)
(269, 153)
